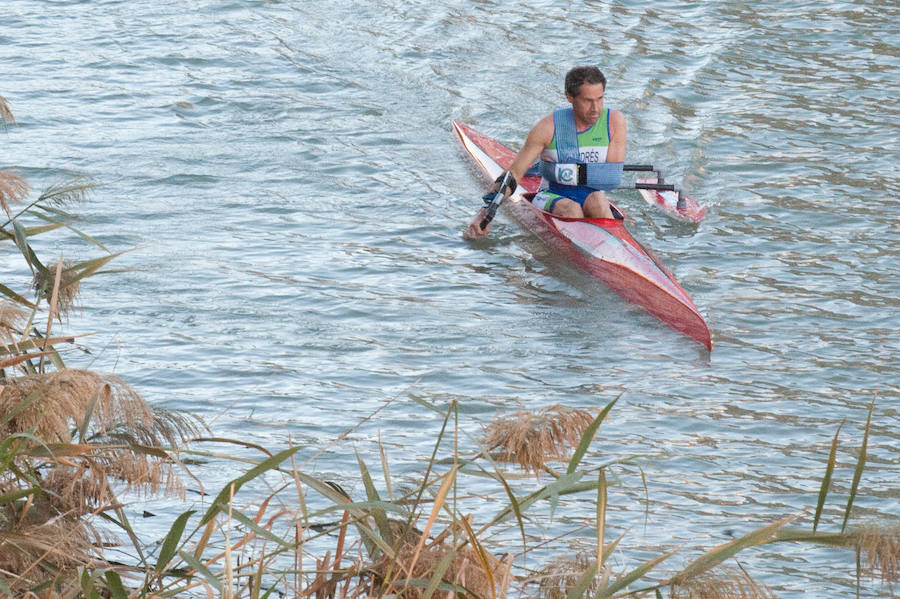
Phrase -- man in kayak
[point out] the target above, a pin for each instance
(599, 137)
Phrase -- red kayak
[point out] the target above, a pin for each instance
(602, 247)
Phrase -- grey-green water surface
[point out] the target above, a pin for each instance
(286, 175)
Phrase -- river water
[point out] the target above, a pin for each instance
(286, 179)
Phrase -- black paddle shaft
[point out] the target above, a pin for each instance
(494, 203)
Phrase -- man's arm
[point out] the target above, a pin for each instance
(618, 136)
(538, 138)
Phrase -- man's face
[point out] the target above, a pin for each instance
(588, 104)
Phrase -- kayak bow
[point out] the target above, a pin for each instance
(600, 246)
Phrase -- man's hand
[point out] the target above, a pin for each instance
(475, 231)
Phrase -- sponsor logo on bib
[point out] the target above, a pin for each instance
(565, 174)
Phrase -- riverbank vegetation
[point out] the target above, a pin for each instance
(76, 446)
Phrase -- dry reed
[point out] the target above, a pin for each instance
(117, 425)
(12, 318)
(882, 549)
(558, 578)
(720, 583)
(28, 552)
(44, 282)
(533, 439)
(466, 569)
(6, 114)
(13, 189)
(47, 405)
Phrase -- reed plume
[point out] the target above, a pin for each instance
(106, 429)
(882, 549)
(68, 191)
(30, 551)
(44, 282)
(13, 189)
(12, 319)
(6, 114)
(48, 405)
(720, 583)
(557, 579)
(533, 439)
(71, 436)
(467, 568)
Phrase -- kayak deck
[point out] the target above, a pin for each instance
(601, 247)
(667, 201)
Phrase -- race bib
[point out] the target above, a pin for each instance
(566, 174)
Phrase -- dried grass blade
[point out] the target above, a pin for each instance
(39, 229)
(860, 466)
(22, 243)
(23, 346)
(588, 437)
(23, 358)
(13, 496)
(6, 115)
(826, 481)
(89, 411)
(438, 576)
(601, 515)
(204, 539)
(240, 443)
(89, 267)
(719, 554)
(15, 296)
(60, 450)
(516, 509)
(636, 574)
(223, 498)
(580, 588)
(830, 539)
(260, 531)
(201, 569)
(385, 468)
(381, 520)
(342, 536)
(564, 485)
(439, 500)
(114, 585)
(55, 224)
(170, 543)
(482, 556)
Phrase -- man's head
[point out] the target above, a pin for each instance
(585, 88)
(581, 75)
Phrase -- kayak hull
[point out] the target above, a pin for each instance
(601, 247)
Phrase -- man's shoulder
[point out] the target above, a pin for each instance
(542, 132)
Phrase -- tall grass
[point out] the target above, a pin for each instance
(310, 538)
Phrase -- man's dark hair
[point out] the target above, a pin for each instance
(581, 75)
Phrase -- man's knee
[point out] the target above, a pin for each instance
(568, 209)
(597, 206)
(597, 198)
